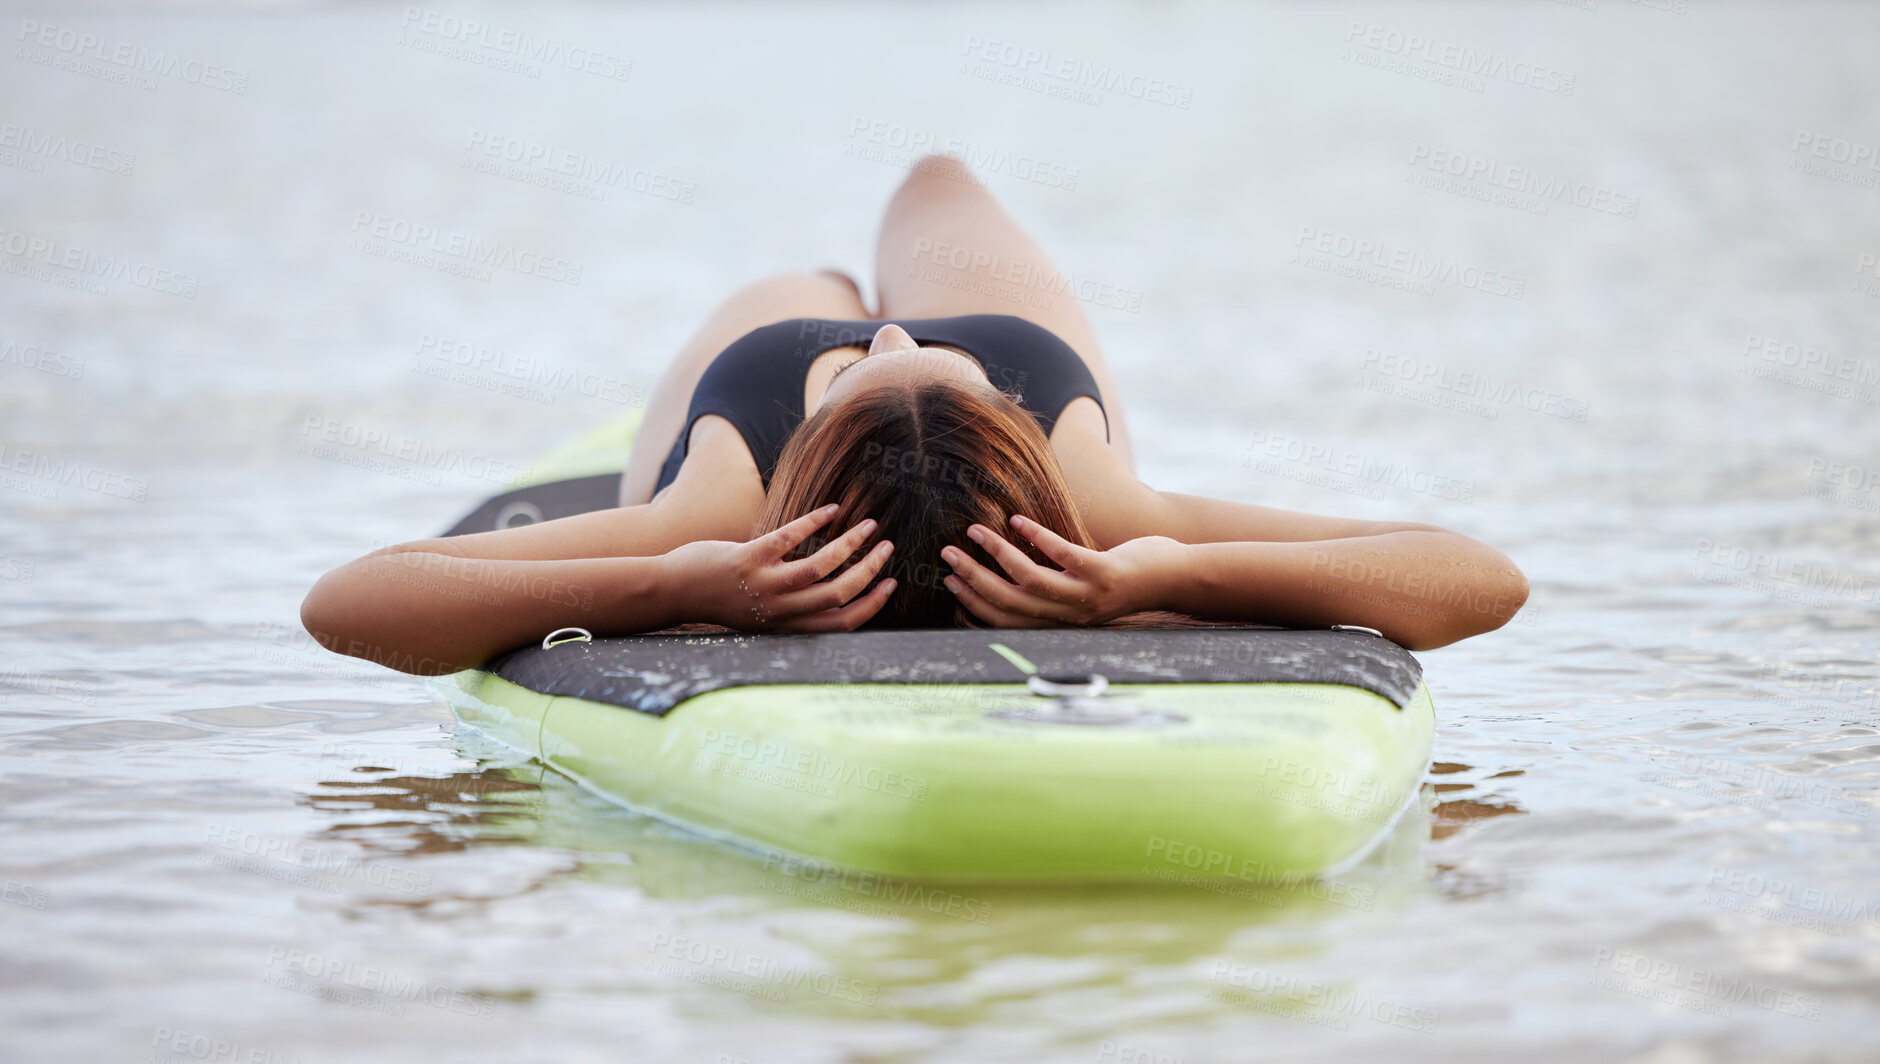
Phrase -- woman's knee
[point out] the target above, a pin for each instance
(939, 176)
(784, 284)
(818, 294)
(807, 286)
(941, 201)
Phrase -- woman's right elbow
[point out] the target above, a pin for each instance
(344, 621)
(322, 614)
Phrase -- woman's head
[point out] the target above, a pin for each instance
(919, 441)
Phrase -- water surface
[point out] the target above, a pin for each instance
(1649, 833)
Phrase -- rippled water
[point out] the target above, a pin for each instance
(1650, 828)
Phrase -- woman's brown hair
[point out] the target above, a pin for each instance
(925, 460)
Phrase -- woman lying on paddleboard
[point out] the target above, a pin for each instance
(968, 456)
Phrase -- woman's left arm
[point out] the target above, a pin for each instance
(1422, 586)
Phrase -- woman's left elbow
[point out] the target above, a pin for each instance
(1502, 599)
(1492, 606)
(1512, 596)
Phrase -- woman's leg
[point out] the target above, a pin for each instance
(778, 297)
(947, 247)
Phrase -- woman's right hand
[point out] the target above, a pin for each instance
(753, 588)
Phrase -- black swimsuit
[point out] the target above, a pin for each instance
(757, 382)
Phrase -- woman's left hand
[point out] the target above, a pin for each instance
(1091, 587)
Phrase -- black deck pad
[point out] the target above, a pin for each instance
(654, 673)
(543, 502)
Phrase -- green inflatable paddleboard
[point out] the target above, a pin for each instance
(1076, 755)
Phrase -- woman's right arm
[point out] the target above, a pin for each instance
(428, 611)
(717, 495)
(437, 605)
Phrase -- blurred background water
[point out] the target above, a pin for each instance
(1596, 280)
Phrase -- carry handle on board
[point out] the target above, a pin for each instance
(549, 640)
(1356, 628)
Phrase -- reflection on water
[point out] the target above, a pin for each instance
(430, 814)
(1455, 811)
(724, 928)
(506, 802)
